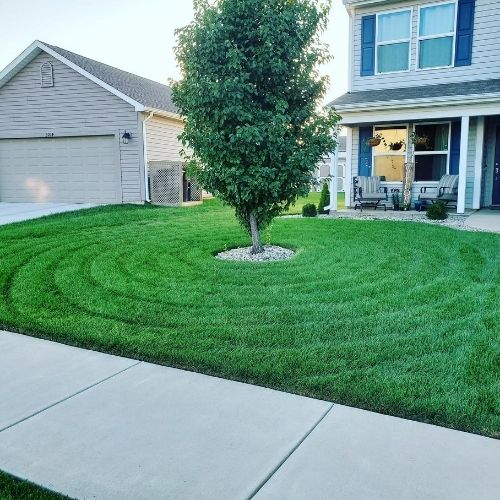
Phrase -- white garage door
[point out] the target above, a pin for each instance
(68, 169)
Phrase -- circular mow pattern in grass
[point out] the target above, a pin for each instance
(396, 317)
(270, 253)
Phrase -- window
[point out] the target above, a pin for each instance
(432, 152)
(436, 35)
(393, 41)
(390, 155)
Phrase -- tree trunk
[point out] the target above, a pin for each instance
(254, 231)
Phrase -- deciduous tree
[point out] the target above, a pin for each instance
(251, 97)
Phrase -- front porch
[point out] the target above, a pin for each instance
(467, 146)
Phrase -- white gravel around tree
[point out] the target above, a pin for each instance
(270, 253)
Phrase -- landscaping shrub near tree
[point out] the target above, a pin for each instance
(309, 210)
(437, 211)
(251, 97)
(324, 199)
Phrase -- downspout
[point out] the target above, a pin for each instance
(145, 153)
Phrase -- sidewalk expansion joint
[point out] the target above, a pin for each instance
(70, 396)
(290, 453)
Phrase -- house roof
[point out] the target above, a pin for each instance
(452, 91)
(141, 92)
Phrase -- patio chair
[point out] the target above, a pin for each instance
(447, 191)
(368, 192)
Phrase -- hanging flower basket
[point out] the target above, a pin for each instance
(396, 146)
(420, 140)
(374, 141)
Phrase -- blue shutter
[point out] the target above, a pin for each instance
(465, 29)
(365, 151)
(456, 128)
(368, 25)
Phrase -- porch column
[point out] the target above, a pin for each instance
(348, 168)
(334, 160)
(478, 164)
(462, 171)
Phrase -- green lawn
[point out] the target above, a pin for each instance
(14, 489)
(313, 198)
(397, 317)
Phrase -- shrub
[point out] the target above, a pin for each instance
(309, 210)
(437, 211)
(324, 199)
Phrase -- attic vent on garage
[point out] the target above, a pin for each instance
(47, 75)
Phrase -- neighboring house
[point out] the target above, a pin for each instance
(75, 130)
(431, 68)
(323, 173)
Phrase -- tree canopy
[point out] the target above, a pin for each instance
(251, 97)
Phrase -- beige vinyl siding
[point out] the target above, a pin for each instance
(485, 50)
(74, 106)
(162, 139)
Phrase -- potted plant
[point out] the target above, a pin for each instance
(374, 141)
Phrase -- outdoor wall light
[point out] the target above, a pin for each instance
(126, 137)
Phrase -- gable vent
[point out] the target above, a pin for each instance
(47, 75)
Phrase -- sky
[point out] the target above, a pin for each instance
(136, 36)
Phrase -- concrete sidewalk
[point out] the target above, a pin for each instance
(485, 219)
(90, 425)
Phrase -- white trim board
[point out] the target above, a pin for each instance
(396, 114)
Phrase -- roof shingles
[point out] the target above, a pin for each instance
(477, 87)
(147, 92)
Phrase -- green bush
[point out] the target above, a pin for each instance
(324, 199)
(309, 210)
(437, 211)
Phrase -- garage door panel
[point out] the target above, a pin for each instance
(76, 169)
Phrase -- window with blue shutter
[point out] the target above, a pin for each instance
(465, 29)
(368, 28)
(456, 128)
(365, 151)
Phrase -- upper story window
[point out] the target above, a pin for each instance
(442, 33)
(436, 35)
(393, 41)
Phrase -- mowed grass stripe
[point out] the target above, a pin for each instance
(396, 317)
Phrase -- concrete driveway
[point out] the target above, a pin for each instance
(17, 212)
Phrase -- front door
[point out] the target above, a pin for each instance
(496, 172)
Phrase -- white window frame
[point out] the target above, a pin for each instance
(441, 35)
(392, 42)
(428, 153)
(390, 153)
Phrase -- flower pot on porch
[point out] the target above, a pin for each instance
(419, 206)
(373, 141)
